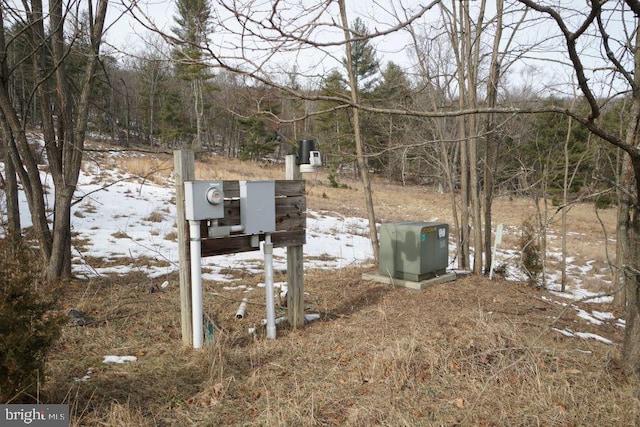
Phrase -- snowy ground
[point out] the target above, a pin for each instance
(124, 218)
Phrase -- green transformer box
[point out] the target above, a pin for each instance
(414, 251)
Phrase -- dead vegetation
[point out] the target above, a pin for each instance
(470, 352)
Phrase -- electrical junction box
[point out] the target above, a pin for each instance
(258, 206)
(413, 251)
(203, 200)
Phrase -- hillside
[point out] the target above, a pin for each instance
(470, 352)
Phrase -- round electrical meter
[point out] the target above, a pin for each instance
(214, 196)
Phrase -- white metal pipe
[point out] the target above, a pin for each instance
(242, 309)
(268, 285)
(196, 283)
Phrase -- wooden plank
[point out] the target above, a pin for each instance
(290, 214)
(290, 209)
(285, 224)
(184, 166)
(242, 242)
(288, 188)
(286, 207)
(283, 188)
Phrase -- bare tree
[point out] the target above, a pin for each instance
(10, 182)
(63, 114)
(262, 42)
(469, 29)
(351, 66)
(596, 20)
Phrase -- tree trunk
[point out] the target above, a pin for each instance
(362, 164)
(10, 187)
(462, 56)
(10, 178)
(624, 216)
(199, 110)
(472, 47)
(563, 214)
(491, 152)
(623, 219)
(474, 195)
(629, 230)
(631, 347)
(463, 239)
(63, 138)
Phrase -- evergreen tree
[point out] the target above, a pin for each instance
(152, 80)
(333, 128)
(366, 69)
(193, 24)
(174, 126)
(389, 133)
(365, 64)
(540, 148)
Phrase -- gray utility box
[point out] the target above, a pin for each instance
(203, 200)
(414, 250)
(258, 206)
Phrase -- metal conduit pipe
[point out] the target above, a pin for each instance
(196, 283)
(268, 282)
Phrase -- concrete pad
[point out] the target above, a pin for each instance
(386, 280)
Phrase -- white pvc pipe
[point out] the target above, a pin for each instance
(495, 248)
(242, 309)
(232, 228)
(196, 283)
(268, 285)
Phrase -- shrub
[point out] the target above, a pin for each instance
(28, 324)
(604, 201)
(531, 252)
(333, 181)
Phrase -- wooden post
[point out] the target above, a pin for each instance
(295, 266)
(185, 170)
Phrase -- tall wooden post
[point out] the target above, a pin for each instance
(295, 266)
(185, 170)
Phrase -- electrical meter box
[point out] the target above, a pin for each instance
(414, 251)
(258, 206)
(203, 200)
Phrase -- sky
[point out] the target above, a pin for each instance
(128, 35)
(536, 58)
(131, 220)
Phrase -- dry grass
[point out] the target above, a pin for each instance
(471, 352)
(156, 216)
(156, 169)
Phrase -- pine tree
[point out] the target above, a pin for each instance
(193, 24)
(363, 56)
(333, 128)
